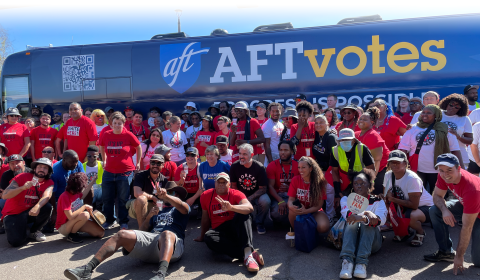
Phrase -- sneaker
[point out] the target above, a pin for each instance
(74, 238)
(440, 256)
(251, 264)
(79, 273)
(159, 275)
(124, 226)
(347, 269)
(261, 229)
(2, 229)
(258, 258)
(360, 271)
(39, 236)
(108, 225)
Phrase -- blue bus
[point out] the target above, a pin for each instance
(357, 62)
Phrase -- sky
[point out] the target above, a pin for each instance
(91, 22)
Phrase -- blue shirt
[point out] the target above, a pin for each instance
(170, 219)
(208, 173)
(60, 176)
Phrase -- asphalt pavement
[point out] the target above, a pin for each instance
(48, 260)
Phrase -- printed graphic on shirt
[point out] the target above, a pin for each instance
(284, 178)
(302, 195)
(90, 176)
(451, 125)
(73, 131)
(455, 193)
(247, 182)
(190, 181)
(31, 197)
(45, 138)
(429, 139)
(76, 204)
(176, 141)
(217, 210)
(307, 139)
(162, 220)
(114, 147)
(399, 193)
(9, 135)
(204, 138)
(319, 148)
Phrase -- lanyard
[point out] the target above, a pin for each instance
(286, 179)
(175, 137)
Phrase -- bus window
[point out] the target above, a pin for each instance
(15, 91)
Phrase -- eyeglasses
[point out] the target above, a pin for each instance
(100, 116)
(155, 163)
(415, 103)
(47, 152)
(91, 156)
(456, 107)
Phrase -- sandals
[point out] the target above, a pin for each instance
(399, 239)
(418, 242)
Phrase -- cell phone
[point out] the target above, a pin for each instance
(297, 203)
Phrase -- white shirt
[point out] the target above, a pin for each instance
(228, 157)
(92, 171)
(99, 128)
(148, 156)
(472, 107)
(176, 141)
(425, 157)
(476, 139)
(191, 132)
(273, 130)
(461, 125)
(409, 183)
(415, 117)
(474, 116)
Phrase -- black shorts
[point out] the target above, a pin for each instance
(424, 209)
(473, 168)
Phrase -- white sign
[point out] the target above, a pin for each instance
(357, 203)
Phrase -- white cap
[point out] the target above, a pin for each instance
(241, 105)
(191, 104)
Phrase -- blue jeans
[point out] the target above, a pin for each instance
(263, 206)
(276, 217)
(115, 186)
(359, 241)
(442, 234)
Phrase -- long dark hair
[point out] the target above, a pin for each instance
(48, 176)
(149, 140)
(334, 121)
(318, 182)
(211, 128)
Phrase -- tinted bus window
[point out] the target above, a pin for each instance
(15, 91)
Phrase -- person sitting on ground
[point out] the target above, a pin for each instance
(361, 236)
(221, 141)
(309, 187)
(158, 241)
(466, 188)
(169, 167)
(27, 202)
(408, 193)
(227, 212)
(207, 171)
(72, 215)
(94, 170)
(189, 178)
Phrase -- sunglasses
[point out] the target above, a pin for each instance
(100, 116)
(456, 107)
(90, 156)
(415, 103)
(47, 152)
(155, 163)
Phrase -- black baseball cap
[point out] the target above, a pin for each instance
(162, 150)
(192, 150)
(128, 108)
(448, 159)
(301, 96)
(397, 155)
(14, 158)
(469, 87)
(221, 139)
(157, 157)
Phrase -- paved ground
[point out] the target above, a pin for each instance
(48, 260)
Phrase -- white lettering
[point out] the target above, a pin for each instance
(221, 68)
(170, 67)
(255, 62)
(288, 47)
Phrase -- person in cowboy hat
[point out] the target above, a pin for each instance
(161, 236)
(27, 202)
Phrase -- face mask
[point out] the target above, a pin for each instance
(151, 121)
(346, 146)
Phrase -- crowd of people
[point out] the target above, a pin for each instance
(90, 170)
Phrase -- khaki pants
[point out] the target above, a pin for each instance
(131, 208)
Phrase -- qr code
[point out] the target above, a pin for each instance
(78, 72)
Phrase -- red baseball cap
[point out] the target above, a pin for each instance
(128, 108)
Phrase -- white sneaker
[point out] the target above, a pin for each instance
(347, 268)
(39, 236)
(360, 271)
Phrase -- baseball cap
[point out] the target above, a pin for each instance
(346, 134)
(192, 150)
(34, 106)
(301, 96)
(241, 105)
(207, 118)
(469, 87)
(186, 112)
(397, 155)
(416, 99)
(448, 159)
(5, 149)
(162, 150)
(14, 158)
(127, 108)
(58, 114)
(221, 139)
(12, 112)
(157, 157)
(261, 105)
(108, 109)
(222, 175)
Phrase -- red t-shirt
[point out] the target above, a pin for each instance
(204, 136)
(353, 126)
(79, 133)
(304, 147)
(213, 207)
(261, 147)
(105, 129)
(43, 138)
(372, 140)
(467, 191)
(254, 126)
(407, 118)
(275, 171)
(119, 149)
(168, 170)
(127, 122)
(142, 132)
(13, 136)
(388, 131)
(221, 133)
(26, 199)
(215, 125)
(67, 201)
(191, 183)
(298, 189)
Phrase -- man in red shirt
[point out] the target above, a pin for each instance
(137, 128)
(169, 167)
(247, 130)
(78, 133)
(42, 136)
(466, 188)
(49, 152)
(13, 134)
(128, 115)
(227, 212)
(27, 202)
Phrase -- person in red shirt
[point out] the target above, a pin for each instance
(150, 122)
(223, 123)
(388, 126)
(227, 212)
(240, 135)
(416, 105)
(78, 133)
(188, 178)
(214, 110)
(349, 118)
(444, 214)
(3, 159)
(403, 108)
(303, 133)
(205, 137)
(280, 173)
(137, 128)
(49, 152)
(128, 115)
(185, 117)
(42, 136)
(117, 147)
(27, 202)
(13, 134)
(72, 215)
(370, 138)
(262, 118)
(169, 167)
(307, 192)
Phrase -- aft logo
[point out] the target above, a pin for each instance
(180, 64)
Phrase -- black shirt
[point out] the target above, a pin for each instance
(322, 148)
(8, 176)
(145, 182)
(367, 157)
(248, 179)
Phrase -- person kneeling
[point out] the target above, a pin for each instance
(72, 215)
(163, 244)
(361, 235)
(227, 211)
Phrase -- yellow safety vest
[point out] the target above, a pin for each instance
(341, 157)
(99, 174)
(477, 105)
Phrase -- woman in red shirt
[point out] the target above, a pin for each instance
(117, 147)
(375, 143)
(72, 215)
(309, 188)
(349, 118)
(205, 137)
(388, 126)
(303, 132)
(13, 134)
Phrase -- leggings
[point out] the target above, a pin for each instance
(429, 179)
